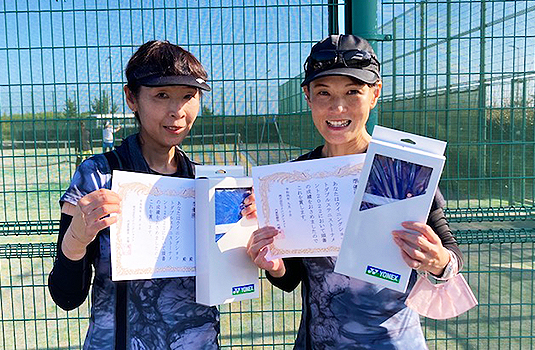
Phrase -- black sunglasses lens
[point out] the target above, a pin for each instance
(321, 60)
(317, 65)
(357, 58)
(325, 59)
(324, 55)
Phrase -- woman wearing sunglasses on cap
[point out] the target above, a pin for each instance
(342, 85)
(164, 87)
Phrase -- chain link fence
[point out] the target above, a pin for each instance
(461, 71)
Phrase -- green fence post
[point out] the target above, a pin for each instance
(333, 16)
(361, 20)
(482, 104)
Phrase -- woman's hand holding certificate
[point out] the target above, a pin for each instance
(89, 217)
(257, 248)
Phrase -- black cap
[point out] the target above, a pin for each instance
(155, 76)
(342, 54)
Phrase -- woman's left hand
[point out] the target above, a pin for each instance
(250, 207)
(421, 248)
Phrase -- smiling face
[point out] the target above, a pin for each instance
(340, 107)
(166, 115)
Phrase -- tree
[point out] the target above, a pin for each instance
(70, 111)
(103, 104)
(206, 110)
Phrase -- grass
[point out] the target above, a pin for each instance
(30, 319)
(501, 276)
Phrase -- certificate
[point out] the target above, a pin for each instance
(309, 201)
(154, 236)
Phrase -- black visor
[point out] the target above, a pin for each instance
(187, 80)
(156, 76)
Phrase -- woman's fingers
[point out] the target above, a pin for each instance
(99, 203)
(250, 207)
(101, 212)
(259, 239)
(275, 267)
(421, 247)
(412, 263)
(103, 223)
(97, 199)
(413, 256)
(418, 235)
(257, 247)
(261, 260)
(422, 228)
(93, 214)
(408, 246)
(263, 233)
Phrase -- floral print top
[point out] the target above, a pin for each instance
(160, 313)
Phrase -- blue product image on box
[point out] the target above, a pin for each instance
(228, 206)
(392, 180)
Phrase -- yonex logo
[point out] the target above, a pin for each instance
(386, 275)
(248, 288)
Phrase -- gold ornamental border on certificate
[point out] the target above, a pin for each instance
(144, 189)
(308, 251)
(299, 176)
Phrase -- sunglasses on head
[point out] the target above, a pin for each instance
(322, 60)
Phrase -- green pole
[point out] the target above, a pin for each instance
(361, 20)
(482, 103)
(333, 16)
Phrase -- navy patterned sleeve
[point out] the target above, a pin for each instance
(69, 281)
(93, 174)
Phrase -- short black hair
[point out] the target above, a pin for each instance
(168, 59)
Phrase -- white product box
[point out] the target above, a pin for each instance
(224, 271)
(398, 183)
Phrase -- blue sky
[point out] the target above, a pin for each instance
(509, 48)
(49, 49)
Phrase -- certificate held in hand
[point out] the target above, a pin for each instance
(154, 236)
(309, 201)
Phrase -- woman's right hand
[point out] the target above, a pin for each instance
(89, 217)
(257, 248)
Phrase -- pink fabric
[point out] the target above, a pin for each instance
(443, 300)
